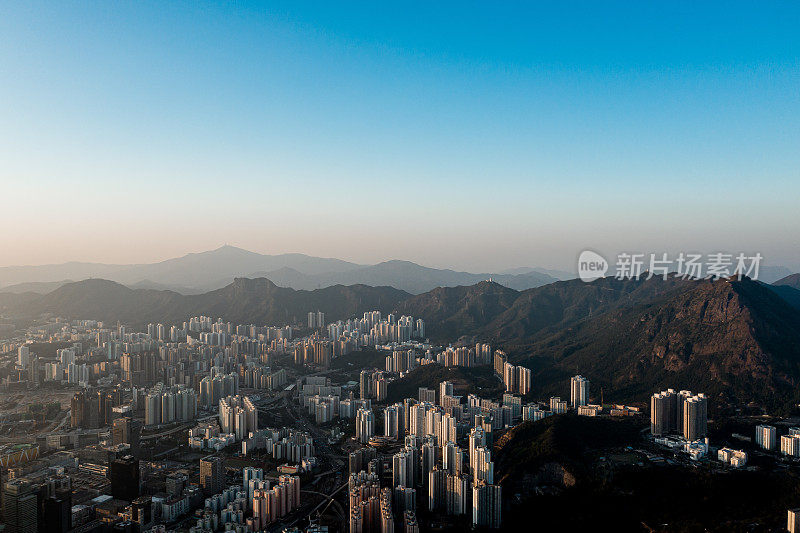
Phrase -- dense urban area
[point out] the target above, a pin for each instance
(360, 425)
(428, 267)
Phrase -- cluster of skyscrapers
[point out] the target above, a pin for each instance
(401, 361)
(681, 412)
(218, 385)
(790, 444)
(430, 465)
(238, 415)
(767, 438)
(373, 385)
(252, 506)
(92, 409)
(372, 329)
(285, 444)
(166, 405)
(516, 378)
(271, 503)
(316, 320)
(326, 402)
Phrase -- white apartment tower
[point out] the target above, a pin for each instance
(578, 391)
(766, 437)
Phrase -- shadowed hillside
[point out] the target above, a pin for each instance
(244, 301)
(735, 340)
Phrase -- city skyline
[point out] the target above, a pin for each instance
(379, 268)
(519, 135)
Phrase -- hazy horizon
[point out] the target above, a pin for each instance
(569, 268)
(471, 138)
(365, 263)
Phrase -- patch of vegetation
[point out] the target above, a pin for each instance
(478, 380)
(564, 439)
(612, 488)
(42, 412)
(365, 358)
(663, 499)
(48, 349)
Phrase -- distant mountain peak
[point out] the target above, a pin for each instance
(94, 282)
(227, 250)
(252, 283)
(792, 280)
(400, 263)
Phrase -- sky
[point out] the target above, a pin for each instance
(475, 136)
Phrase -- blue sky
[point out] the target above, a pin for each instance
(469, 135)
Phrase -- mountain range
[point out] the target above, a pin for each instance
(202, 272)
(244, 301)
(736, 340)
(492, 312)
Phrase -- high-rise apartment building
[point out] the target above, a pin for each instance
(663, 413)
(124, 473)
(445, 390)
(126, 430)
(393, 421)
(452, 458)
(20, 506)
(695, 417)
(793, 521)
(766, 437)
(477, 439)
(217, 386)
(578, 391)
(316, 320)
(365, 425)
(790, 445)
(426, 395)
(457, 494)
(483, 466)
(517, 379)
(557, 405)
(270, 504)
(403, 468)
(212, 474)
(487, 504)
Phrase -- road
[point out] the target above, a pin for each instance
(181, 427)
(25, 438)
(328, 498)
